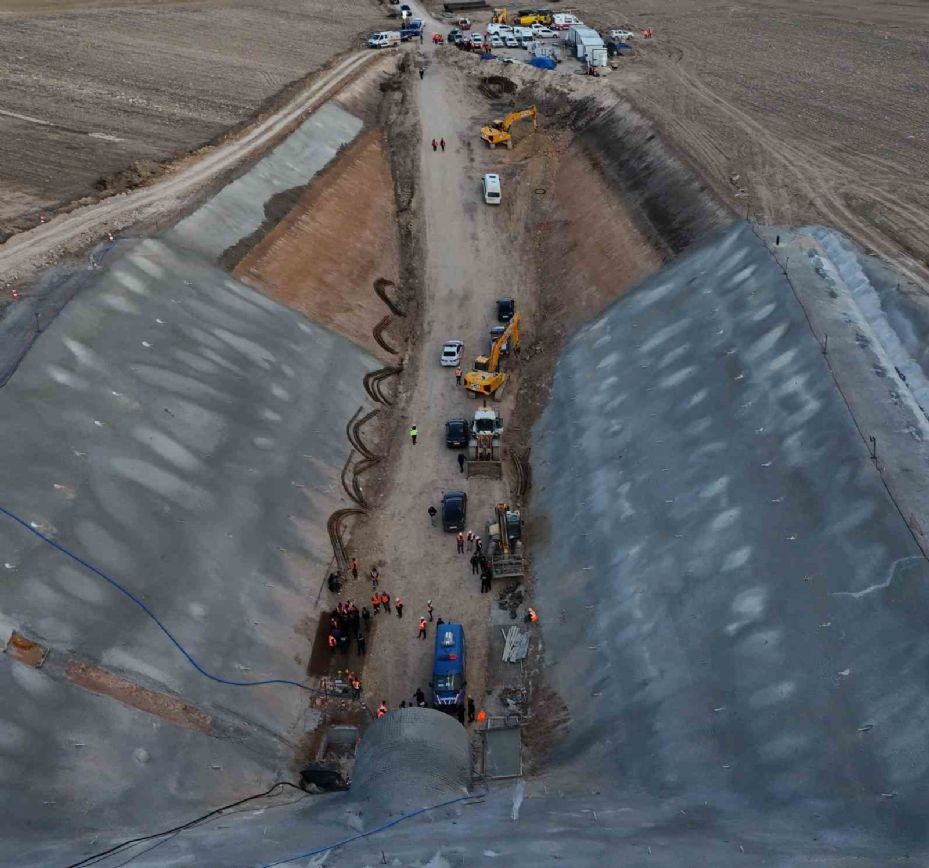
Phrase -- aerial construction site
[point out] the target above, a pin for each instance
(441, 434)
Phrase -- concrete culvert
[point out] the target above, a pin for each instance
(408, 759)
(496, 86)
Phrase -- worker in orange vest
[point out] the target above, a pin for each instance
(382, 708)
(422, 628)
(481, 716)
(460, 540)
(376, 602)
(457, 376)
(531, 616)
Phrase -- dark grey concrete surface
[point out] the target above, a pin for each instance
(733, 609)
(185, 434)
(238, 209)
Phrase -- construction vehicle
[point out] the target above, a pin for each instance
(499, 16)
(505, 532)
(487, 379)
(528, 17)
(497, 132)
(483, 448)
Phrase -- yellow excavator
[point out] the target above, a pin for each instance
(500, 16)
(487, 379)
(498, 132)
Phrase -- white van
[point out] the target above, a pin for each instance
(385, 39)
(520, 32)
(491, 185)
(499, 29)
(564, 20)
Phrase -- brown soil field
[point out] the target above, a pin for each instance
(793, 112)
(323, 258)
(90, 88)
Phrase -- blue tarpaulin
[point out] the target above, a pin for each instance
(542, 63)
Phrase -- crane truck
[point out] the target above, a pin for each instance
(487, 379)
(497, 132)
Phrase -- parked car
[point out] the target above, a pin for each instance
(455, 35)
(526, 42)
(495, 333)
(510, 41)
(490, 184)
(506, 307)
(496, 41)
(477, 40)
(449, 677)
(451, 354)
(544, 32)
(454, 510)
(456, 433)
(620, 35)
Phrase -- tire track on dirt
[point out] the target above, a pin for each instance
(81, 227)
(820, 174)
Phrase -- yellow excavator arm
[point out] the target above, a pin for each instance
(498, 132)
(486, 378)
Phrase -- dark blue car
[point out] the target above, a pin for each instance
(448, 671)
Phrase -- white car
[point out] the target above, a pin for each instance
(496, 41)
(621, 35)
(510, 41)
(451, 354)
(543, 32)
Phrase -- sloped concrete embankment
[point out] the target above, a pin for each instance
(733, 607)
(184, 434)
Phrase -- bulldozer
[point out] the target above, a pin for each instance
(528, 17)
(497, 132)
(506, 548)
(487, 379)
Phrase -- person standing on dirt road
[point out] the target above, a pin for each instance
(354, 568)
(459, 540)
(461, 462)
(457, 376)
(429, 609)
(435, 146)
(422, 72)
(414, 432)
(442, 145)
(475, 561)
(470, 539)
(399, 607)
(432, 514)
(422, 628)
(365, 618)
(470, 709)
(376, 603)
(375, 577)
(385, 602)
(362, 645)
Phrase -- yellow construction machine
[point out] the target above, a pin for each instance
(528, 17)
(498, 132)
(499, 16)
(487, 379)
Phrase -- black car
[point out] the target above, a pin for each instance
(506, 307)
(454, 510)
(456, 433)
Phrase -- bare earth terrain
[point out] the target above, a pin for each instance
(793, 112)
(89, 88)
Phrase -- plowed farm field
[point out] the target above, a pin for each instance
(90, 90)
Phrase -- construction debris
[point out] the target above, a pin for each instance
(515, 645)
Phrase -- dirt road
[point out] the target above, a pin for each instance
(466, 257)
(29, 251)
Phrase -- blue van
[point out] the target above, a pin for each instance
(448, 671)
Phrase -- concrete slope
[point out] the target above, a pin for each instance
(734, 611)
(185, 435)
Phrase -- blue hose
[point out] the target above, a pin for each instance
(123, 590)
(376, 831)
